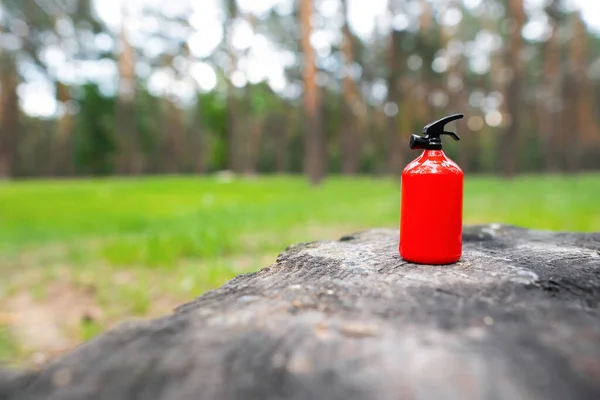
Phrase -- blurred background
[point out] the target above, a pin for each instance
(153, 149)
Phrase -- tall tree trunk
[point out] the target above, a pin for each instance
(63, 156)
(255, 132)
(254, 120)
(377, 127)
(468, 146)
(426, 83)
(284, 131)
(569, 139)
(350, 136)
(551, 101)
(394, 98)
(249, 147)
(129, 154)
(314, 155)
(194, 130)
(508, 145)
(406, 125)
(9, 115)
(195, 137)
(234, 162)
(573, 93)
(499, 83)
(586, 137)
(174, 148)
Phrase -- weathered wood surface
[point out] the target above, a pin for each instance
(516, 318)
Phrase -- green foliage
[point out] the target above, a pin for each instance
(212, 108)
(94, 133)
(148, 123)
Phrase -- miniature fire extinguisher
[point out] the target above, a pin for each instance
(432, 201)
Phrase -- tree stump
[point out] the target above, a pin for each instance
(516, 318)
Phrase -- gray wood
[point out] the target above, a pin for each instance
(516, 318)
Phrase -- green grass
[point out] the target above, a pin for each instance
(9, 347)
(137, 247)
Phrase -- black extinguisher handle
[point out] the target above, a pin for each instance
(451, 134)
(437, 128)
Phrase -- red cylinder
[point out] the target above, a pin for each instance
(431, 210)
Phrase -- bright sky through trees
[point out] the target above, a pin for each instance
(264, 61)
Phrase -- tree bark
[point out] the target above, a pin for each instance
(426, 83)
(129, 155)
(586, 136)
(9, 115)
(234, 162)
(551, 102)
(174, 147)
(394, 99)
(350, 136)
(249, 149)
(254, 128)
(516, 318)
(499, 80)
(63, 148)
(509, 143)
(284, 130)
(195, 129)
(314, 154)
(468, 147)
(197, 148)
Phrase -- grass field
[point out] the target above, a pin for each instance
(76, 257)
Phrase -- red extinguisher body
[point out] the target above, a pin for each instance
(431, 210)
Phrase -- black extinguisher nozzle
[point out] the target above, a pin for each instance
(418, 142)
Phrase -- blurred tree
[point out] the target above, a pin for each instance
(350, 135)
(254, 115)
(94, 142)
(283, 28)
(283, 128)
(9, 101)
(195, 130)
(34, 28)
(514, 96)
(394, 95)
(9, 114)
(215, 123)
(63, 146)
(195, 135)
(584, 132)
(550, 96)
(129, 159)
(428, 45)
(454, 86)
(314, 155)
(172, 138)
(173, 148)
(233, 143)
